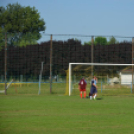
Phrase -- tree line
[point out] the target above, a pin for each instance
(23, 24)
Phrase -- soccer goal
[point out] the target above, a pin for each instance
(113, 79)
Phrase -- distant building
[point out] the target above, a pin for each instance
(126, 76)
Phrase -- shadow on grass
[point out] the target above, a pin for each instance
(98, 98)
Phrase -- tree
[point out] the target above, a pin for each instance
(112, 40)
(22, 24)
(2, 38)
(100, 41)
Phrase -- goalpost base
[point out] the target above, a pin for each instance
(67, 82)
(2, 91)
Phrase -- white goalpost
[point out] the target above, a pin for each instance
(124, 71)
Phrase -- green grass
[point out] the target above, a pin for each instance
(55, 114)
(33, 88)
(107, 89)
(60, 89)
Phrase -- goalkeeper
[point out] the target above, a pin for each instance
(93, 90)
(82, 87)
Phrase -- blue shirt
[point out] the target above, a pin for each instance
(93, 81)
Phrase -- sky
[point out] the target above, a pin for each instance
(84, 17)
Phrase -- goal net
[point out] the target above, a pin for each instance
(112, 79)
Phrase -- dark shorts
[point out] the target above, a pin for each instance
(93, 90)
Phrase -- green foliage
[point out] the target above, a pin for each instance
(112, 40)
(21, 24)
(100, 41)
(2, 38)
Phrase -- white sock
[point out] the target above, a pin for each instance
(90, 97)
(94, 96)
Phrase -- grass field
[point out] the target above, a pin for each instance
(33, 88)
(57, 114)
(60, 89)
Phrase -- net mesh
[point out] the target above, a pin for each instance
(111, 80)
(25, 55)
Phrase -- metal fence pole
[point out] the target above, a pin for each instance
(51, 64)
(92, 55)
(5, 63)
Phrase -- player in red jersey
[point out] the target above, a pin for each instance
(82, 87)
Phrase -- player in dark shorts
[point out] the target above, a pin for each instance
(82, 87)
(93, 90)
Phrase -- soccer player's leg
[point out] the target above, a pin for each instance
(81, 93)
(91, 93)
(85, 94)
(95, 96)
(95, 93)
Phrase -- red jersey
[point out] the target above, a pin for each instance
(82, 84)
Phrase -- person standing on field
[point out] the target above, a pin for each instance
(93, 90)
(82, 87)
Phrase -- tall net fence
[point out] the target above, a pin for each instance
(21, 60)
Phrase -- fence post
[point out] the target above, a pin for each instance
(51, 63)
(92, 55)
(21, 78)
(5, 63)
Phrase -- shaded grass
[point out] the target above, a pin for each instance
(33, 114)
